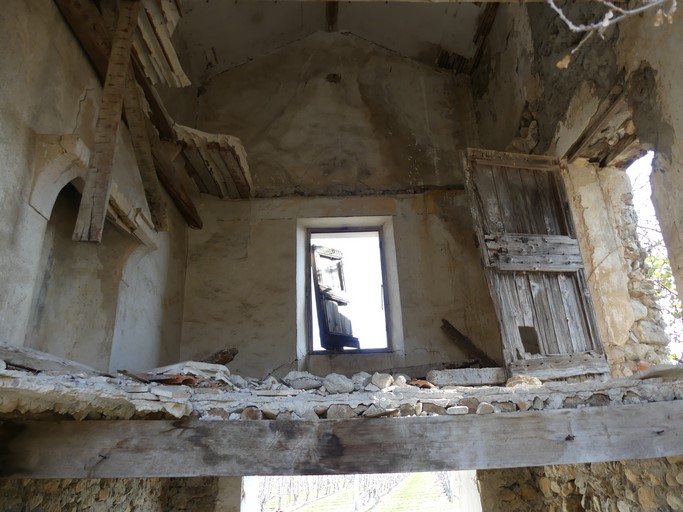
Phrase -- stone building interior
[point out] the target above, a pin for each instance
(175, 315)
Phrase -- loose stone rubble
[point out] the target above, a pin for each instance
(301, 395)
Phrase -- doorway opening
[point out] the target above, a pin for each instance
(427, 492)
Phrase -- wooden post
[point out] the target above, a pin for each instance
(93, 208)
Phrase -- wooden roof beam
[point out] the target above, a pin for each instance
(95, 197)
(90, 30)
(184, 448)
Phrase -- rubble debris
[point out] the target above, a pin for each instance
(190, 373)
(523, 380)
(360, 380)
(34, 360)
(340, 412)
(421, 383)
(335, 383)
(467, 377)
(485, 408)
(302, 380)
(458, 409)
(222, 356)
(382, 380)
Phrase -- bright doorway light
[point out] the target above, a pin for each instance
(393, 492)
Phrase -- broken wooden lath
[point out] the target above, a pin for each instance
(460, 64)
(610, 137)
(152, 42)
(217, 163)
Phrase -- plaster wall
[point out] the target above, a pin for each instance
(241, 281)
(591, 198)
(333, 114)
(149, 311)
(56, 294)
(75, 298)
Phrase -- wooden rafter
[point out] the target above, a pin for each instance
(183, 448)
(95, 198)
(460, 64)
(141, 145)
(90, 30)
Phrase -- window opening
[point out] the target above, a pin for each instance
(347, 296)
(657, 260)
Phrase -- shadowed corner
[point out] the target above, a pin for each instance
(9, 460)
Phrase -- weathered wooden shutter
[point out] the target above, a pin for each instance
(533, 265)
(336, 331)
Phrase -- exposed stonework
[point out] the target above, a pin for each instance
(83, 397)
(647, 343)
(647, 485)
(102, 495)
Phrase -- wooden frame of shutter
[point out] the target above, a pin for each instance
(328, 300)
(533, 264)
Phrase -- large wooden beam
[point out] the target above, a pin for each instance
(141, 145)
(90, 30)
(140, 448)
(93, 209)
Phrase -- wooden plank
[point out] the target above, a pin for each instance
(545, 205)
(518, 193)
(236, 173)
(505, 200)
(483, 191)
(513, 160)
(542, 315)
(421, 371)
(467, 377)
(532, 198)
(175, 189)
(24, 357)
(534, 253)
(612, 104)
(95, 198)
(211, 177)
(558, 315)
(486, 19)
(159, 23)
(573, 308)
(510, 310)
(589, 312)
(185, 448)
(561, 366)
(89, 28)
(140, 138)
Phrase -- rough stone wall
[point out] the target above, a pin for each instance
(117, 494)
(647, 341)
(651, 485)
